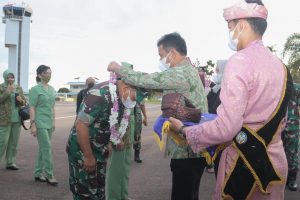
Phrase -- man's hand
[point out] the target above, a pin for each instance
(176, 124)
(145, 121)
(113, 66)
(89, 163)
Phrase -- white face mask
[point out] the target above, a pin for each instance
(163, 65)
(216, 78)
(233, 43)
(128, 103)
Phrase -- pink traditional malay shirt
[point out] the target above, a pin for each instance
(250, 91)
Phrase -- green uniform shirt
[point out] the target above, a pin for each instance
(43, 101)
(128, 137)
(14, 110)
(183, 79)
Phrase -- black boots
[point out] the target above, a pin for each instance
(291, 181)
(292, 185)
(137, 156)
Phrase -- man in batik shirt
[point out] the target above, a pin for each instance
(290, 138)
(88, 147)
(179, 76)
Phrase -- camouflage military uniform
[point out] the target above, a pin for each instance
(95, 110)
(138, 127)
(290, 135)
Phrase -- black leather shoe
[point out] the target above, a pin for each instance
(137, 156)
(292, 185)
(138, 160)
(40, 179)
(12, 167)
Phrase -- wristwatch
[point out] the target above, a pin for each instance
(180, 132)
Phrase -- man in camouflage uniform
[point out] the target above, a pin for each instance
(290, 138)
(139, 121)
(179, 76)
(87, 145)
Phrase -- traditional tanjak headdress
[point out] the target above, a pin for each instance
(245, 10)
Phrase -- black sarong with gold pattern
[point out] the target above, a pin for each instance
(253, 167)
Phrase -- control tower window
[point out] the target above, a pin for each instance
(18, 11)
(8, 11)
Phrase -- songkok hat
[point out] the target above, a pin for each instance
(245, 10)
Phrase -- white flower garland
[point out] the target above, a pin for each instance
(117, 131)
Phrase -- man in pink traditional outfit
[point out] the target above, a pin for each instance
(253, 89)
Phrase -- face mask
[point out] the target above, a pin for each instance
(216, 78)
(163, 65)
(128, 103)
(233, 43)
(10, 80)
(46, 79)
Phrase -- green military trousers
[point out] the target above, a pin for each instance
(44, 163)
(118, 174)
(9, 139)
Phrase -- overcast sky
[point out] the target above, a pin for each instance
(78, 38)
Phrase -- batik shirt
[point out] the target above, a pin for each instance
(293, 110)
(94, 111)
(183, 79)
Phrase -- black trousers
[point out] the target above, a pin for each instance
(186, 176)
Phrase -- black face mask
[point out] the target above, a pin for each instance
(90, 85)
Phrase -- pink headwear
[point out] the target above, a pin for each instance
(245, 10)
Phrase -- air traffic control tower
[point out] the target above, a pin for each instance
(17, 34)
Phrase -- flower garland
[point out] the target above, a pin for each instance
(116, 131)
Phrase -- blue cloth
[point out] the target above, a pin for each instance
(158, 125)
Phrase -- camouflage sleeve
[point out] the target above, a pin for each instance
(3, 94)
(94, 104)
(170, 79)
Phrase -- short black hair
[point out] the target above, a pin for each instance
(259, 2)
(173, 40)
(258, 25)
(40, 70)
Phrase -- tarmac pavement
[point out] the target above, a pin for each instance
(150, 180)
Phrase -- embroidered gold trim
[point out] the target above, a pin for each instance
(282, 181)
